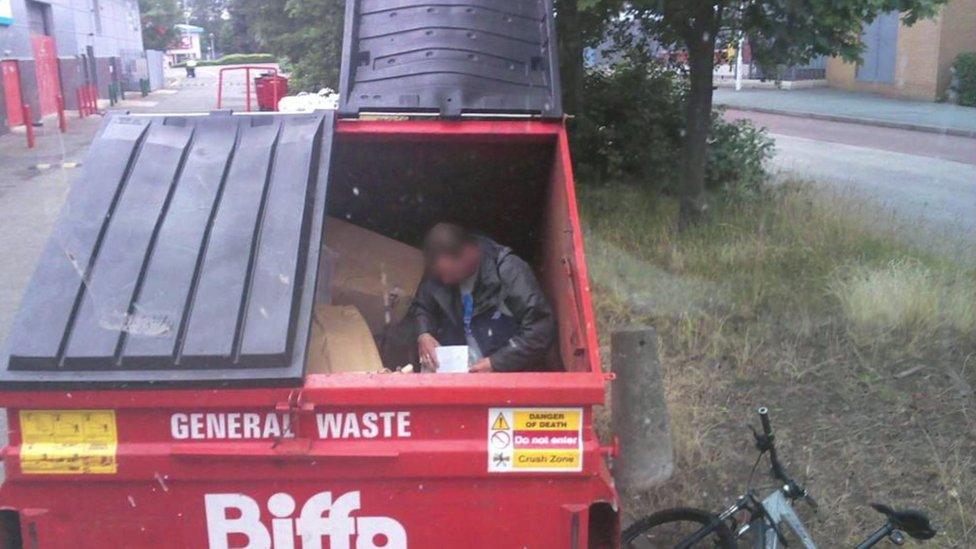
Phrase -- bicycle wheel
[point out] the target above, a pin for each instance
(670, 527)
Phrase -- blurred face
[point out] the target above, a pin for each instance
(452, 268)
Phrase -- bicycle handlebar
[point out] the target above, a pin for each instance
(768, 443)
(764, 418)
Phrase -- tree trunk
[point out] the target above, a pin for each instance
(570, 54)
(701, 62)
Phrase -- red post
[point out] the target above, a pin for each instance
(247, 87)
(92, 99)
(79, 97)
(29, 125)
(62, 119)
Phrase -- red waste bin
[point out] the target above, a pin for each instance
(270, 88)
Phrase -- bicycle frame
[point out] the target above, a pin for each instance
(777, 510)
(766, 518)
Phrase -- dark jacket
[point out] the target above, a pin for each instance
(515, 342)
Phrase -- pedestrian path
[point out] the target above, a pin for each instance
(863, 108)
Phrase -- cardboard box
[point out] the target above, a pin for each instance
(376, 274)
(341, 342)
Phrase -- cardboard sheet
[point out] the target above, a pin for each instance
(376, 274)
(341, 342)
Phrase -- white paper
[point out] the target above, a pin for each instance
(452, 359)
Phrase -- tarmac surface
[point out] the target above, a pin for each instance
(862, 108)
(927, 180)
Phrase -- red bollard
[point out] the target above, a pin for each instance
(62, 119)
(29, 125)
(93, 97)
(247, 88)
(81, 103)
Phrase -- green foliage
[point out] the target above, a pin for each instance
(737, 155)
(965, 65)
(235, 59)
(632, 129)
(306, 34)
(157, 18)
(780, 32)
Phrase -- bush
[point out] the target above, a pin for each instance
(737, 155)
(632, 126)
(965, 65)
(234, 59)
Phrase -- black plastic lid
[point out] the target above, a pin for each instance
(450, 57)
(186, 252)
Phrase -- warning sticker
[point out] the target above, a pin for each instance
(68, 442)
(535, 440)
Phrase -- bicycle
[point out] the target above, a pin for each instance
(766, 518)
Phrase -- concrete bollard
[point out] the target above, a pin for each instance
(640, 414)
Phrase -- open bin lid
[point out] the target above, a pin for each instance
(186, 252)
(450, 57)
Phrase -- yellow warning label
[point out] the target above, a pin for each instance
(500, 423)
(68, 442)
(546, 459)
(535, 440)
(547, 420)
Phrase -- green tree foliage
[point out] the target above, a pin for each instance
(633, 128)
(307, 34)
(965, 66)
(158, 18)
(580, 24)
(234, 35)
(781, 32)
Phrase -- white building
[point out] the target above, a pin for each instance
(187, 44)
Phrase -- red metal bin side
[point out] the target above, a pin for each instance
(181, 478)
(346, 460)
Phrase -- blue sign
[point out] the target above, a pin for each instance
(6, 13)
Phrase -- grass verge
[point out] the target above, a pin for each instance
(812, 303)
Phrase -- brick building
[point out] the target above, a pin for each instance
(51, 47)
(911, 62)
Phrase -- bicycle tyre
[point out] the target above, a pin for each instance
(679, 514)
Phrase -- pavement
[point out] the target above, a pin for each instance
(927, 181)
(859, 108)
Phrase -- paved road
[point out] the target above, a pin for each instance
(946, 147)
(927, 179)
(826, 102)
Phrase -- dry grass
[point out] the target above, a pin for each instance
(904, 297)
(863, 346)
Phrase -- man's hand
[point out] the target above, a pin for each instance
(425, 348)
(483, 366)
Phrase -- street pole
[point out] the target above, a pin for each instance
(212, 55)
(738, 65)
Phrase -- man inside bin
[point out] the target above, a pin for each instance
(478, 293)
